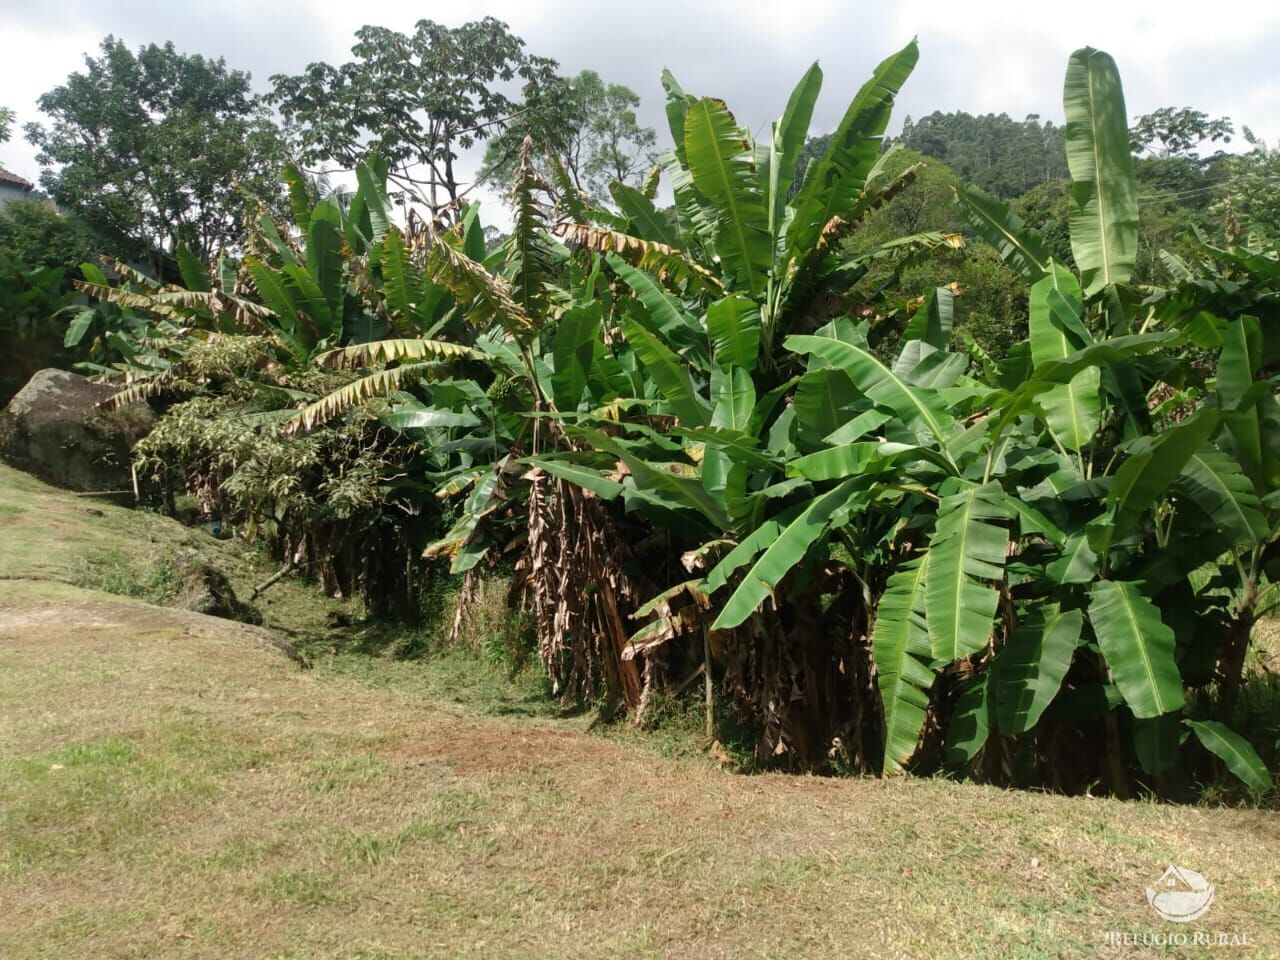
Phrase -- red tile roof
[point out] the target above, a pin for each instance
(14, 180)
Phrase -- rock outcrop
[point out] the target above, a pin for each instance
(54, 429)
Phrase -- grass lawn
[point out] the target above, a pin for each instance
(171, 786)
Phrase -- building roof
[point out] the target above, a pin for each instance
(13, 180)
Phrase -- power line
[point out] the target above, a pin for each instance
(1194, 191)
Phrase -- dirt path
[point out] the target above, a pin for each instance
(171, 786)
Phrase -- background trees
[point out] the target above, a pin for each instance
(33, 232)
(1177, 133)
(156, 148)
(585, 124)
(414, 99)
(1249, 197)
(1003, 156)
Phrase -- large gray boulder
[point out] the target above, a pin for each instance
(54, 430)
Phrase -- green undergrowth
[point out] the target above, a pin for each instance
(152, 577)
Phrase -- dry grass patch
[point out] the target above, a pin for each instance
(174, 788)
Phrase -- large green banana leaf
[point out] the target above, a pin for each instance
(833, 184)
(933, 321)
(666, 315)
(657, 483)
(1250, 412)
(733, 324)
(370, 206)
(324, 257)
(1156, 741)
(1078, 562)
(1104, 196)
(900, 646)
(1138, 647)
(312, 301)
(670, 374)
(750, 547)
(586, 477)
(1216, 483)
(789, 135)
(721, 161)
(821, 403)
(1023, 398)
(1234, 751)
(970, 723)
(1073, 410)
(1149, 471)
(400, 276)
(647, 221)
(918, 407)
(966, 555)
(723, 472)
(274, 291)
(861, 458)
(783, 554)
(1028, 672)
(573, 351)
(194, 271)
(1018, 245)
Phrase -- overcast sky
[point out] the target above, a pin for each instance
(995, 56)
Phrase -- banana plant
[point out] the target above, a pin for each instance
(1046, 529)
(679, 395)
(704, 446)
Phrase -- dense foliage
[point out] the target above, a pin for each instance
(415, 99)
(155, 148)
(774, 434)
(585, 130)
(1003, 156)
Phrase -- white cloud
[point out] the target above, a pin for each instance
(999, 56)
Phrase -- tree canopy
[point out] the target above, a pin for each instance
(414, 99)
(1001, 155)
(158, 147)
(588, 125)
(1178, 133)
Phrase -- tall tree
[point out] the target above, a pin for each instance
(1177, 133)
(158, 148)
(589, 125)
(6, 120)
(416, 100)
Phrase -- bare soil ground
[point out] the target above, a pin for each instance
(172, 786)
